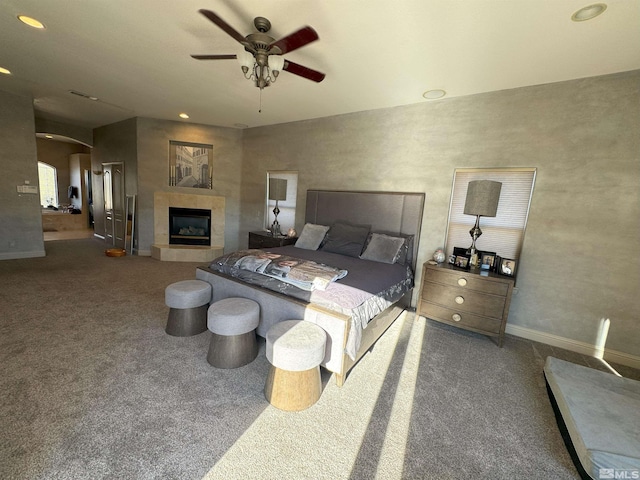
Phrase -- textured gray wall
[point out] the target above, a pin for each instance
(143, 145)
(153, 171)
(20, 214)
(578, 263)
(113, 143)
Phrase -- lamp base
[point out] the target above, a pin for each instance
(275, 229)
(475, 233)
(275, 226)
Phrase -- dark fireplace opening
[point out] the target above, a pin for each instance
(189, 226)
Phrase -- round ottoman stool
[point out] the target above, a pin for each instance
(295, 349)
(232, 323)
(188, 301)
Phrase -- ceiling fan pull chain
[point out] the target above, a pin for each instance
(260, 109)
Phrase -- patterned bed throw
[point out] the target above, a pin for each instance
(304, 274)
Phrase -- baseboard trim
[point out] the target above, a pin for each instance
(18, 255)
(584, 348)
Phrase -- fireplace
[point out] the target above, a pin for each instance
(189, 226)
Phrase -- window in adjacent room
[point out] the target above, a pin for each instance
(48, 179)
(287, 215)
(504, 233)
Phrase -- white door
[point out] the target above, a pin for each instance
(114, 204)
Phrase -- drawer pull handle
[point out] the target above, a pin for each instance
(462, 282)
(459, 300)
(456, 317)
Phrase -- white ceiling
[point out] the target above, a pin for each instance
(134, 55)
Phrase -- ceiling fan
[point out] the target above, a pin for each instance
(262, 60)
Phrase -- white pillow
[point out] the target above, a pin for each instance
(311, 236)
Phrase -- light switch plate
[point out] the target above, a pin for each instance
(33, 189)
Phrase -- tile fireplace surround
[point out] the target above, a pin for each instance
(161, 250)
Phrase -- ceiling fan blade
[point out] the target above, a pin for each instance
(296, 40)
(214, 57)
(224, 26)
(304, 72)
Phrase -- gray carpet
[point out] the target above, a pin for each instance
(93, 388)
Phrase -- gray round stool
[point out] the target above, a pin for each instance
(295, 350)
(188, 301)
(232, 323)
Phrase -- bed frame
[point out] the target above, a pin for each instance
(387, 212)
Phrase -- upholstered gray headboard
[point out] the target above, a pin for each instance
(386, 212)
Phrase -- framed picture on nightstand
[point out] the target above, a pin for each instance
(507, 267)
(487, 258)
(462, 261)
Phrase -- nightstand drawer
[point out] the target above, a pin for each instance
(463, 279)
(461, 299)
(460, 318)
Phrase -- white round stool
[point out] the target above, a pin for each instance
(233, 322)
(188, 301)
(295, 349)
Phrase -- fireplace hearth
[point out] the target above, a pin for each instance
(189, 226)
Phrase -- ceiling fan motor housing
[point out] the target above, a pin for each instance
(262, 24)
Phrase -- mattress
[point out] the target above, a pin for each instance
(601, 412)
(367, 289)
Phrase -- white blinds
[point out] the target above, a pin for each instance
(287, 215)
(504, 233)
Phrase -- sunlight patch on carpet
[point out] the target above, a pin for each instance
(324, 440)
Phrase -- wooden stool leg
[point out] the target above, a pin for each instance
(293, 391)
(232, 351)
(185, 322)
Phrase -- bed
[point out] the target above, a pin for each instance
(351, 330)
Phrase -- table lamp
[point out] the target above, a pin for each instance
(482, 201)
(277, 191)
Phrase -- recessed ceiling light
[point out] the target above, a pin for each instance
(588, 12)
(5, 71)
(32, 22)
(183, 115)
(434, 94)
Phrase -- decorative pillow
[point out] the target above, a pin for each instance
(311, 236)
(382, 248)
(346, 239)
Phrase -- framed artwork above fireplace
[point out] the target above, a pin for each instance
(190, 165)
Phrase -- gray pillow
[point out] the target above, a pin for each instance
(311, 236)
(383, 248)
(346, 239)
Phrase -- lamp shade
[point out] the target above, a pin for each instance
(276, 62)
(277, 189)
(245, 59)
(482, 198)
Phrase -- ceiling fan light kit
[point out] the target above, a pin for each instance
(261, 58)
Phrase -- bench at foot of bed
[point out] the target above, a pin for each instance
(599, 416)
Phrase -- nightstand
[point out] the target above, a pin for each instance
(266, 240)
(466, 299)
